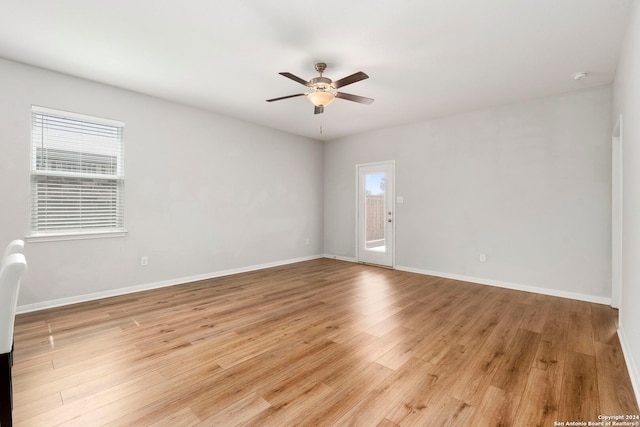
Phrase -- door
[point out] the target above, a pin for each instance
(375, 214)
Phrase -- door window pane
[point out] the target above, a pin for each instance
(374, 211)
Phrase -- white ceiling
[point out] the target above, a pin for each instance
(425, 58)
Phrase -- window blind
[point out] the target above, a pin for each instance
(77, 173)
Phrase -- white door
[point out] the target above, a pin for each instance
(375, 214)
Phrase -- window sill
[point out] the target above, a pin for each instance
(49, 237)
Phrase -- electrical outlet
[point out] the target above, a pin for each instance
(144, 260)
(483, 257)
(306, 242)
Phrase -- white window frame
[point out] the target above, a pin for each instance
(64, 166)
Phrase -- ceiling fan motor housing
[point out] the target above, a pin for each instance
(320, 83)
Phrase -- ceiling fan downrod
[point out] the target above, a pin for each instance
(320, 83)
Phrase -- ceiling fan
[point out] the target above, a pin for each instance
(324, 89)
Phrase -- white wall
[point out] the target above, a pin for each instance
(627, 103)
(527, 184)
(204, 193)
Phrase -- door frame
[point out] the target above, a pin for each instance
(616, 213)
(391, 192)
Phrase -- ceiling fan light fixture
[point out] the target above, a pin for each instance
(324, 90)
(321, 98)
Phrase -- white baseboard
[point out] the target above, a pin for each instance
(631, 366)
(498, 283)
(340, 258)
(156, 285)
(171, 282)
(507, 285)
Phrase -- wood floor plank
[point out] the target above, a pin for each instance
(183, 418)
(398, 387)
(512, 374)
(411, 408)
(540, 402)
(604, 324)
(383, 321)
(239, 412)
(579, 306)
(436, 349)
(348, 391)
(579, 399)
(401, 353)
(614, 387)
(474, 381)
(553, 341)
(509, 323)
(122, 402)
(386, 423)
(321, 343)
(111, 375)
(445, 411)
(534, 317)
(498, 408)
(281, 412)
(486, 321)
(36, 406)
(59, 380)
(580, 332)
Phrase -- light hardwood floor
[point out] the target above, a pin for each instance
(322, 342)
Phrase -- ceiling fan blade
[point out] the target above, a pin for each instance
(355, 77)
(354, 98)
(295, 79)
(318, 110)
(285, 97)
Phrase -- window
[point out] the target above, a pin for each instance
(77, 175)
